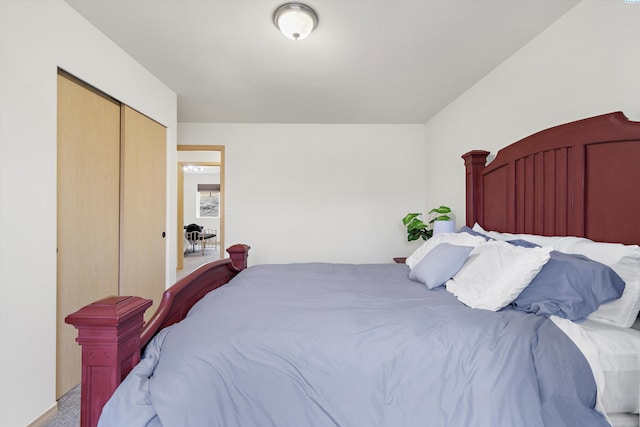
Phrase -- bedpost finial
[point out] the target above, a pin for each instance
(239, 254)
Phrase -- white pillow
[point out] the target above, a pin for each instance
(623, 259)
(495, 273)
(458, 239)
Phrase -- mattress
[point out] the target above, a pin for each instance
(624, 420)
(614, 356)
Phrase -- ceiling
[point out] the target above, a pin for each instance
(199, 170)
(376, 61)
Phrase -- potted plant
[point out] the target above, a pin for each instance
(417, 227)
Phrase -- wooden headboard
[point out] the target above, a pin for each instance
(577, 179)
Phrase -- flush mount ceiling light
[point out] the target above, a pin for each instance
(295, 20)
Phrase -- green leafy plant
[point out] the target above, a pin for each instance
(417, 227)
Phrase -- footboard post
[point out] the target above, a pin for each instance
(109, 333)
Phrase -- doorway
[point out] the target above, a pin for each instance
(196, 156)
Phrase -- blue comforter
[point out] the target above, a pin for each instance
(353, 345)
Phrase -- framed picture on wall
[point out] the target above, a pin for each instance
(208, 201)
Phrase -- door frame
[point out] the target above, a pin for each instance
(180, 198)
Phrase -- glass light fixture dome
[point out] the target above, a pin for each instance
(295, 20)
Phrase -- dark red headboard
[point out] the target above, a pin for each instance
(577, 179)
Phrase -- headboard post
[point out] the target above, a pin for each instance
(474, 162)
(109, 333)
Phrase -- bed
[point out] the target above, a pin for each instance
(404, 344)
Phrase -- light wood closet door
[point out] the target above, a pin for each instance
(143, 207)
(88, 212)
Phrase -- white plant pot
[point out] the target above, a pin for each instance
(444, 227)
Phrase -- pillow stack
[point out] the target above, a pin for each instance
(491, 271)
(624, 260)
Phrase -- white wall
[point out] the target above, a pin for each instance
(199, 156)
(36, 37)
(333, 193)
(587, 63)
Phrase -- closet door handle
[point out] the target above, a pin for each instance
(163, 234)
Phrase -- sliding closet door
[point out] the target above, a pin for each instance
(88, 212)
(143, 207)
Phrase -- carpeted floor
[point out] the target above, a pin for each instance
(68, 414)
(193, 260)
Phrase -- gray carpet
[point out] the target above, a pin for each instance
(193, 260)
(68, 414)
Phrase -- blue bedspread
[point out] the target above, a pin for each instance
(353, 345)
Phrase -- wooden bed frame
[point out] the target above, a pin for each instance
(579, 179)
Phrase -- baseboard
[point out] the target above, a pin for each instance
(42, 419)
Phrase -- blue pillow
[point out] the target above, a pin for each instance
(465, 229)
(569, 286)
(523, 243)
(440, 264)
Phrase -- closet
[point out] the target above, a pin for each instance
(111, 209)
